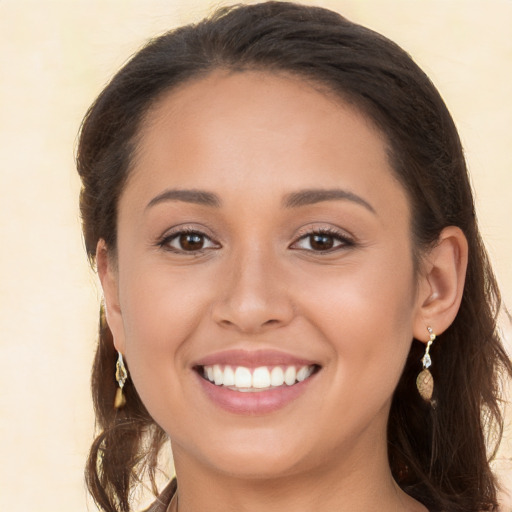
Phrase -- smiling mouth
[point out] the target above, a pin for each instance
(251, 380)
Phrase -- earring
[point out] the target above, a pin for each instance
(425, 381)
(121, 376)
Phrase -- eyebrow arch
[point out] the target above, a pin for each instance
(200, 197)
(313, 196)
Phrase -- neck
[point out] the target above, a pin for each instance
(356, 481)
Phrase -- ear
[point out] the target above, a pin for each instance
(441, 284)
(108, 274)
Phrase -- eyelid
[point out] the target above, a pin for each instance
(345, 238)
(171, 234)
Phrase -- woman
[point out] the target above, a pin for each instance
(296, 292)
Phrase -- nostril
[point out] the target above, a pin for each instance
(250, 323)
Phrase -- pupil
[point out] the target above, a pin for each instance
(322, 242)
(191, 241)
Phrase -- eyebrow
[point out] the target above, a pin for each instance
(293, 200)
(313, 196)
(200, 197)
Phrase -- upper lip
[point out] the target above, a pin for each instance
(253, 359)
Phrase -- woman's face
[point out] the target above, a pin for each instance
(262, 237)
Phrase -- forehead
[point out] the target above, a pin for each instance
(281, 102)
(233, 131)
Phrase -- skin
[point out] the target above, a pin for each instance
(257, 283)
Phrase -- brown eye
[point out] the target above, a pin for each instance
(188, 241)
(321, 242)
(191, 241)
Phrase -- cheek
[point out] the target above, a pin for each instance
(156, 300)
(160, 310)
(367, 321)
(366, 313)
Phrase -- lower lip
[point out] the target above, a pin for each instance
(254, 403)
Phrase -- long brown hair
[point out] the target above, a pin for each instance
(439, 456)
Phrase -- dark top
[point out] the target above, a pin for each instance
(164, 498)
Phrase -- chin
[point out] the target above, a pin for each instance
(253, 456)
(260, 466)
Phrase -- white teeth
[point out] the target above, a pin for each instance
(277, 376)
(261, 378)
(218, 375)
(245, 379)
(229, 376)
(289, 375)
(304, 373)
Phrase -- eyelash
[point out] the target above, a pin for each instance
(345, 240)
(165, 242)
(342, 238)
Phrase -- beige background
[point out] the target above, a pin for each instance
(55, 57)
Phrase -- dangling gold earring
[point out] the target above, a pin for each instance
(425, 381)
(121, 376)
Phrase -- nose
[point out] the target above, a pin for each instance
(253, 296)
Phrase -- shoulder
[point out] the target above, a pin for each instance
(163, 499)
